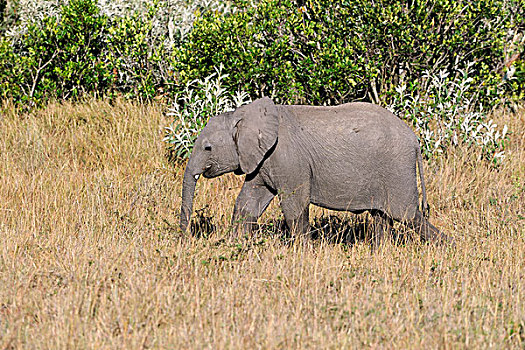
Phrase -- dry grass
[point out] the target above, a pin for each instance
(91, 257)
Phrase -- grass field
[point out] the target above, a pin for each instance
(91, 256)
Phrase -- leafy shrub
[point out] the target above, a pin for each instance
(444, 115)
(328, 52)
(316, 51)
(200, 100)
(63, 49)
(136, 57)
(274, 49)
(141, 37)
(60, 57)
(9, 71)
(173, 19)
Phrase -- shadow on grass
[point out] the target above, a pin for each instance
(348, 230)
(333, 229)
(202, 226)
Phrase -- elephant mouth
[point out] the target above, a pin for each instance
(212, 172)
(209, 172)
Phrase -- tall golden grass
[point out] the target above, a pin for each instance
(91, 256)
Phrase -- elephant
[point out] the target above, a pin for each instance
(352, 157)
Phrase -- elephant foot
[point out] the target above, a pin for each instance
(427, 231)
(242, 226)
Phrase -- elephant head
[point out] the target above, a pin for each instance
(233, 141)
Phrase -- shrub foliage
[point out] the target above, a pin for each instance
(316, 51)
(328, 52)
(93, 47)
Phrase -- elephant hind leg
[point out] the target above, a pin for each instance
(382, 223)
(295, 206)
(298, 225)
(426, 230)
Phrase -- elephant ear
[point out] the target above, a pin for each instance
(255, 132)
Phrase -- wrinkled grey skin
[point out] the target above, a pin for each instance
(353, 157)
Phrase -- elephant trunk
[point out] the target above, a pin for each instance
(191, 175)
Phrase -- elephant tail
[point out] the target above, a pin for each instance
(424, 204)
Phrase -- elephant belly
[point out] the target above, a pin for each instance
(398, 197)
(346, 198)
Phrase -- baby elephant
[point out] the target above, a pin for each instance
(353, 157)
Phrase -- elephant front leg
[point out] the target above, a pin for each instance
(250, 204)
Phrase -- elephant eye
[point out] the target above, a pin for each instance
(207, 148)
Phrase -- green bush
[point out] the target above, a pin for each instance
(60, 57)
(273, 49)
(81, 51)
(3, 6)
(315, 52)
(136, 56)
(49, 50)
(329, 52)
(9, 86)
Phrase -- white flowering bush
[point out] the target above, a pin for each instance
(444, 115)
(173, 18)
(191, 110)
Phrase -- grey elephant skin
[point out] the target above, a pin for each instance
(354, 157)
